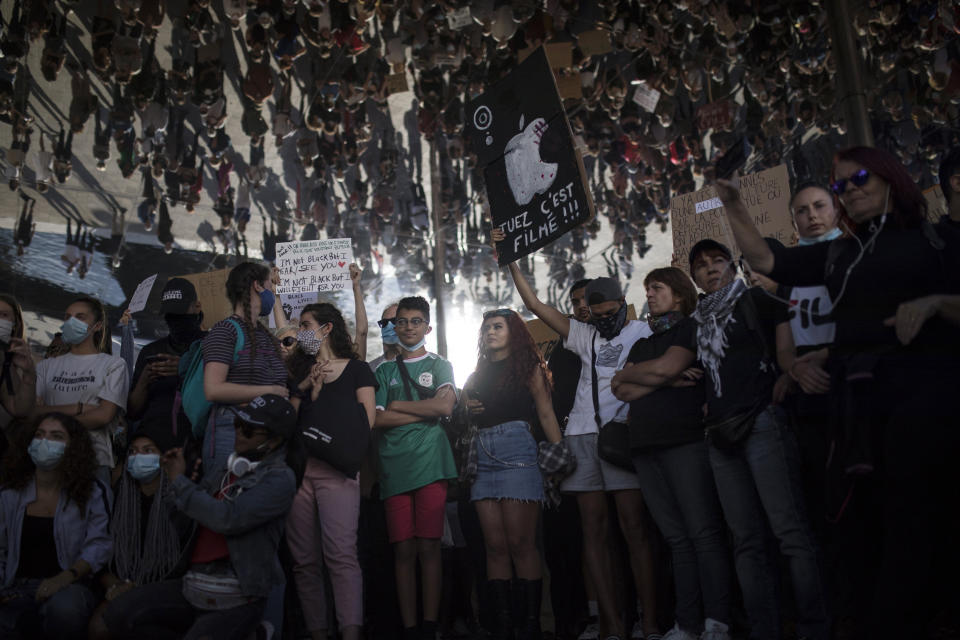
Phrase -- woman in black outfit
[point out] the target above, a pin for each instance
(894, 282)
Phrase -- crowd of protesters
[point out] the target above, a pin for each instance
(309, 83)
(767, 453)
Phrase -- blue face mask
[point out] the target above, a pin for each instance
(46, 454)
(415, 347)
(389, 334)
(266, 302)
(143, 466)
(833, 234)
(74, 331)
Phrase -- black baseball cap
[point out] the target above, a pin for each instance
(708, 244)
(270, 412)
(600, 290)
(177, 297)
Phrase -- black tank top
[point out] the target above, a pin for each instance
(501, 402)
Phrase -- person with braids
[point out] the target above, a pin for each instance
(87, 382)
(259, 368)
(335, 393)
(53, 530)
(508, 392)
(149, 536)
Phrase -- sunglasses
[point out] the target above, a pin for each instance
(503, 313)
(859, 179)
(249, 431)
(383, 323)
(289, 341)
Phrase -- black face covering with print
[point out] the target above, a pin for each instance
(611, 326)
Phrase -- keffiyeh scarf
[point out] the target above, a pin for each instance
(714, 312)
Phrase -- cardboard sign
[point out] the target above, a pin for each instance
(936, 203)
(716, 115)
(212, 293)
(569, 86)
(646, 97)
(460, 18)
(700, 214)
(397, 83)
(560, 54)
(314, 265)
(535, 181)
(595, 42)
(547, 339)
(138, 301)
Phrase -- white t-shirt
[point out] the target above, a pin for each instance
(809, 313)
(70, 379)
(611, 356)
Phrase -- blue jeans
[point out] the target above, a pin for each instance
(678, 488)
(218, 439)
(64, 615)
(759, 482)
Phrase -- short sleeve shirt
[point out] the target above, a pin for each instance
(265, 367)
(611, 356)
(414, 455)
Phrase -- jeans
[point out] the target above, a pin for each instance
(678, 488)
(218, 439)
(159, 611)
(759, 482)
(63, 615)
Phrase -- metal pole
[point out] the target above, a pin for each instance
(439, 253)
(851, 94)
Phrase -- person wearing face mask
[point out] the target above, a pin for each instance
(335, 399)
(155, 376)
(240, 508)
(53, 530)
(86, 382)
(388, 335)
(895, 286)
(603, 347)
(18, 372)
(150, 538)
(259, 367)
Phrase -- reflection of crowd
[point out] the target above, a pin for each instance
(313, 80)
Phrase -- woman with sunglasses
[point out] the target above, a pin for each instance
(894, 282)
(508, 392)
(287, 336)
(335, 396)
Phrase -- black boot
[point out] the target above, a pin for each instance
(499, 603)
(527, 598)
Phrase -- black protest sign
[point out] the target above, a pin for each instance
(535, 180)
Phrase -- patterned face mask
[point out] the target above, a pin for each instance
(610, 327)
(309, 341)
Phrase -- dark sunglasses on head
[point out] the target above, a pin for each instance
(383, 323)
(859, 179)
(503, 313)
(289, 341)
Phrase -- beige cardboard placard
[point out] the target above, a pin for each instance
(397, 83)
(700, 214)
(936, 203)
(569, 86)
(212, 292)
(595, 42)
(547, 339)
(559, 54)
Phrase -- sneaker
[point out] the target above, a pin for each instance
(678, 634)
(714, 630)
(637, 632)
(592, 632)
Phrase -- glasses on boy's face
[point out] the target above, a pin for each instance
(859, 179)
(383, 323)
(413, 322)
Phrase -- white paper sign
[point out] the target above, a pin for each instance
(646, 97)
(314, 265)
(138, 301)
(293, 303)
(460, 18)
(708, 205)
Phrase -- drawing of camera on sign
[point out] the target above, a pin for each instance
(535, 181)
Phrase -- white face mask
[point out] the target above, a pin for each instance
(6, 330)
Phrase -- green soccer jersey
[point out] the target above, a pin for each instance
(414, 455)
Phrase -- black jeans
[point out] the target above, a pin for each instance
(159, 611)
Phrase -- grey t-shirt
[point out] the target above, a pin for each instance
(70, 379)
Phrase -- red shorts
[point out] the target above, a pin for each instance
(418, 513)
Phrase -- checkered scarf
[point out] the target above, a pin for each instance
(714, 313)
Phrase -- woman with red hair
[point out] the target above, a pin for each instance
(505, 395)
(895, 286)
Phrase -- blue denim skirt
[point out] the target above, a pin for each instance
(507, 466)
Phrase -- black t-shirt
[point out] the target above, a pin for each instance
(162, 392)
(669, 416)
(903, 265)
(337, 401)
(565, 367)
(502, 401)
(746, 378)
(38, 549)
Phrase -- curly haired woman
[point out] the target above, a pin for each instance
(508, 392)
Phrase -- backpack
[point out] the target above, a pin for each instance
(191, 396)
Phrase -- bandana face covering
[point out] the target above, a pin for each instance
(714, 313)
(610, 327)
(309, 341)
(664, 321)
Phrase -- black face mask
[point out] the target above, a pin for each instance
(184, 328)
(610, 326)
